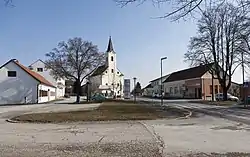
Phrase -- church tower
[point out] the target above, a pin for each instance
(113, 79)
(111, 57)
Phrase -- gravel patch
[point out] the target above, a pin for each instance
(229, 154)
(128, 149)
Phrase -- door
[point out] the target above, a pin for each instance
(195, 93)
(199, 93)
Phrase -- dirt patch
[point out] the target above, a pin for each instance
(106, 112)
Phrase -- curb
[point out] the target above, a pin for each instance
(221, 115)
(187, 116)
(11, 121)
(160, 142)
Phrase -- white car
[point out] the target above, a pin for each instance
(230, 97)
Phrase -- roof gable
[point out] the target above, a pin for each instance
(33, 74)
(190, 73)
(99, 70)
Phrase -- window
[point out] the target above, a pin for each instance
(106, 84)
(118, 72)
(106, 71)
(112, 58)
(43, 93)
(216, 89)
(112, 70)
(117, 84)
(175, 90)
(118, 92)
(40, 69)
(170, 90)
(11, 73)
(211, 89)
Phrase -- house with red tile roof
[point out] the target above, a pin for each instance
(20, 85)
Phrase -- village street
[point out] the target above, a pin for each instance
(200, 133)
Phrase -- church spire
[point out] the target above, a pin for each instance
(110, 45)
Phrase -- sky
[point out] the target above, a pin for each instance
(32, 28)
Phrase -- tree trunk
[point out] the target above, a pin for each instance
(78, 91)
(224, 92)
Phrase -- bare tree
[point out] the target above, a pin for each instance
(75, 59)
(220, 34)
(182, 8)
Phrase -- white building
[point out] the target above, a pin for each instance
(39, 67)
(108, 79)
(155, 85)
(18, 85)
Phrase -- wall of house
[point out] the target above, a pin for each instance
(148, 92)
(51, 93)
(19, 89)
(156, 84)
(46, 73)
(174, 89)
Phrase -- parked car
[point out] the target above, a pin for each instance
(98, 97)
(219, 97)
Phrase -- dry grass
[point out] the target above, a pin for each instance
(219, 103)
(106, 112)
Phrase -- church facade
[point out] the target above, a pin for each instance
(108, 79)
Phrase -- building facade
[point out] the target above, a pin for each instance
(108, 79)
(195, 83)
(20, 85)
(40, 67)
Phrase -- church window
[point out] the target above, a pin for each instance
(112, 70)
(112, 58)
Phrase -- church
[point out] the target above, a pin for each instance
(108, 79)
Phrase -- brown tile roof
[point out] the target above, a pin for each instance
(99, 70)
(190, 73)
(35, 75)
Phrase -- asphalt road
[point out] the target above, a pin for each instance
(228, 112)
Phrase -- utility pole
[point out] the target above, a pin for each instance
(134, 89)
(163, 58)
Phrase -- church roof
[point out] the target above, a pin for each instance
(100, 70)
(110, 45)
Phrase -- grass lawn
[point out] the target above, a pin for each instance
(107, 111)
(219, 103)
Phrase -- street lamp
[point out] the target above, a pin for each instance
(134, 89)
(163, 58)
